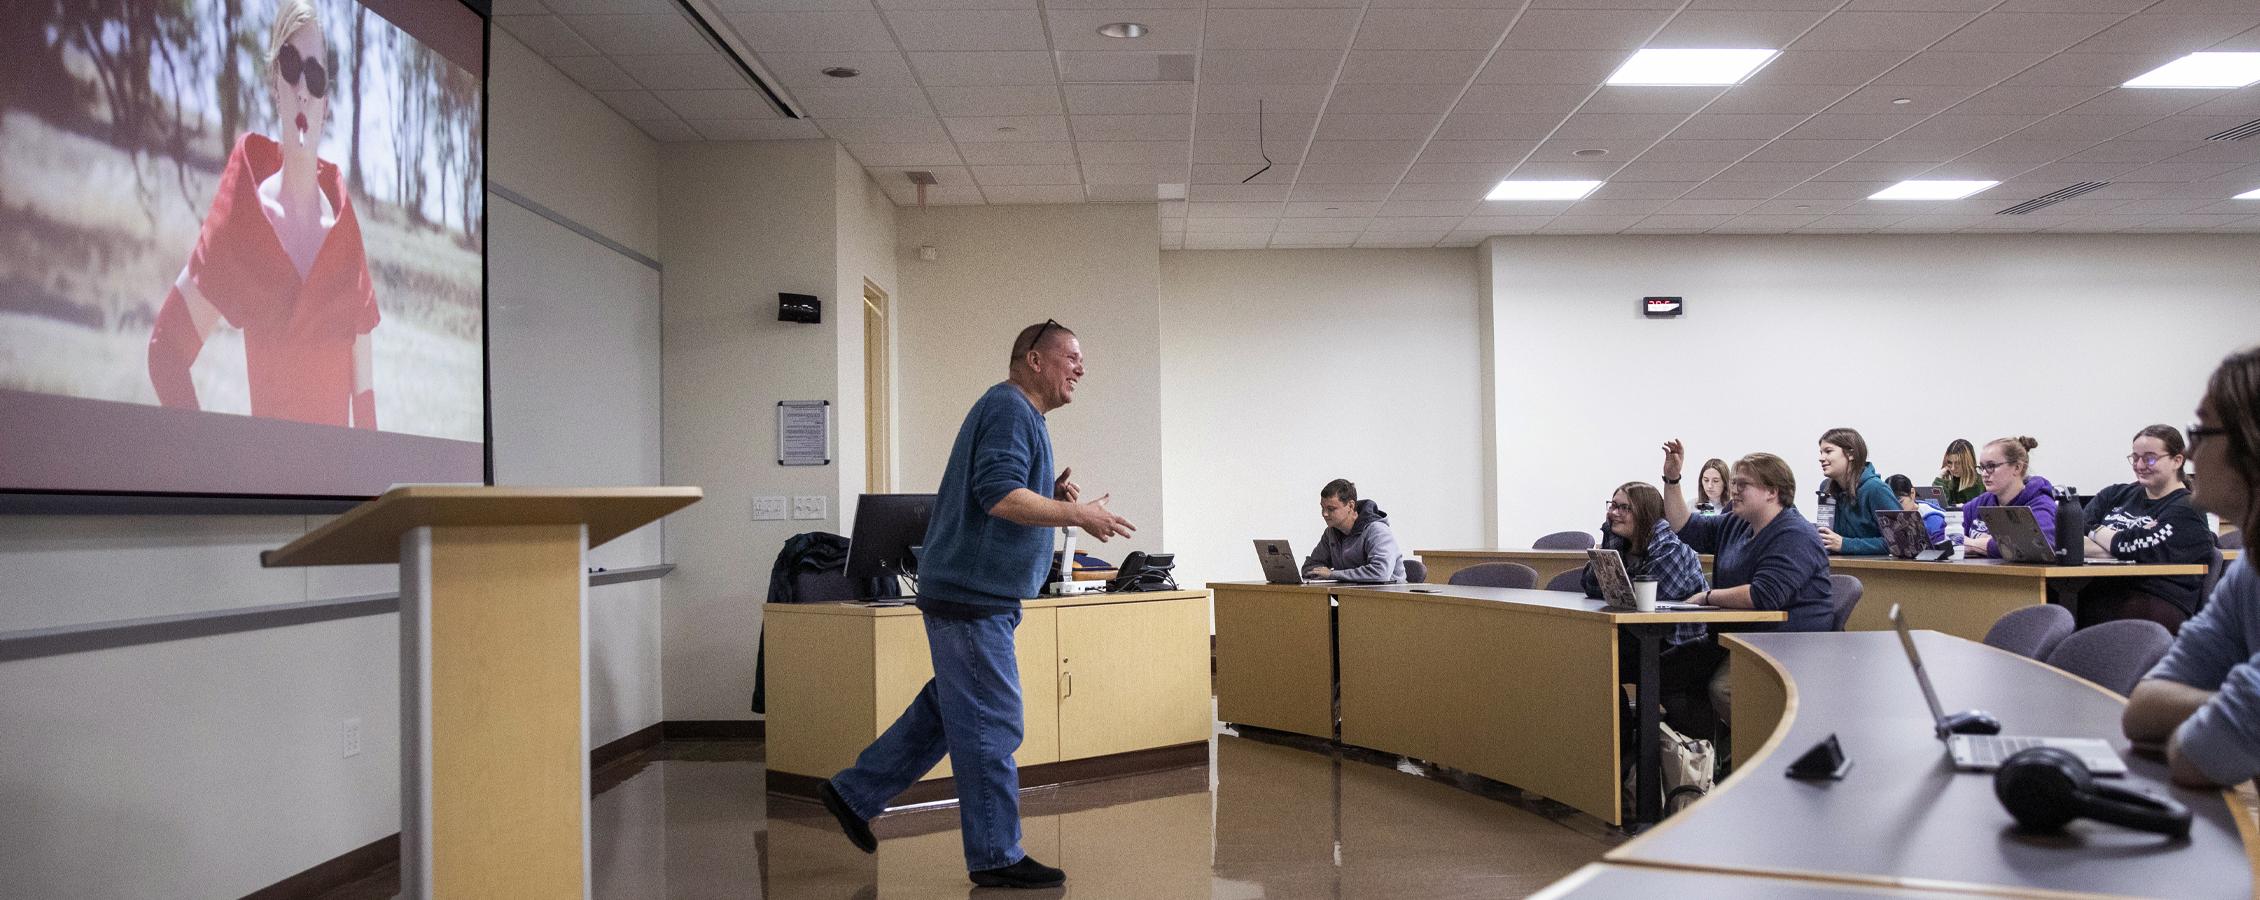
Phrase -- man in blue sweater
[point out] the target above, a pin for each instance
(988, 545)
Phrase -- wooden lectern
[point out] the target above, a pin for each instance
(494, 748)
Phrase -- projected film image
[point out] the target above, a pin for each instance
(245, 235)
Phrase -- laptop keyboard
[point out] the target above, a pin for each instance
(1990, 750)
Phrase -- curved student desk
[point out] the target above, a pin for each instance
(1903, 817)
(1549, 563)
(1519, 686)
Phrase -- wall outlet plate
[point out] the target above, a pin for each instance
(766, 509)
(349, 737)
(809, 507)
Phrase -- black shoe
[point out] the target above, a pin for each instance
(1027, 873)
(858, 831)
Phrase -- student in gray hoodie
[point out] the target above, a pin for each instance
(1358, 544)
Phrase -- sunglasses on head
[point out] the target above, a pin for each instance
(291, 66)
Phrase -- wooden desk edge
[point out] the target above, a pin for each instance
(1724, 616)
(850, 607)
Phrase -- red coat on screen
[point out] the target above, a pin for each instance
(298, 333)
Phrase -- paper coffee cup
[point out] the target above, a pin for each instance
(1644, 594)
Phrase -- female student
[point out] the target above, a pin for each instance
(1710, 488)
(2003, 467)
(1957, 480)
(2149, 520)
(2201, 705)
(1768, 557)
(1856, 492)
(1638, 532)
(1934, 519)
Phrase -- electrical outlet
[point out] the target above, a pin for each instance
(768, 508)
(349, 735)
(809, 507)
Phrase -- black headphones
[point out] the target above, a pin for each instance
(2047, 787)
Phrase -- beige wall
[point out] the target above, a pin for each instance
(1095, 268)
(1285, 369)
(2078, 340)
(587, 163)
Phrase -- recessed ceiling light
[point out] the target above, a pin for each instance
(1901, 101)
(2253, 194)
(1589, 151)
(2202, 70)
(1123, 30)
(842, 72)
(1687, 67)
(1915, 189)
(1541, 190)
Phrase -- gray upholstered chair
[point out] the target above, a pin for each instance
(2215, 566)
(1565, 540)
(1416, 572)
(1572, 581)
(2030, 631)
(1844, 593)
(2233, 540)
(1498, 575)
(2114, 654)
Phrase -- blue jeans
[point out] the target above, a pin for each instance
(970, 709)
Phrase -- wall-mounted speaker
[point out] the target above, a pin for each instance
(802, 308)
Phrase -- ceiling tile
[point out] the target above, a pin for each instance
(1881, 173)
(1962, 128)
(1518, 66)
(1584, 29)
(1404, 66)
(1350, 217)
(2170, 34)
(1340, 192)
(1458, 127)
(1846, 67)
(626, 35)
(1425, 208)
(670, 130)
(1019, 153)
(1618, 126)
(1737, 190)
(2026, 99)
(1476, 151)
(1400, 239)
(1415, 224)
(1069, 193)
(905, 154)
(1930, 152)
(740, 104)
(2087, 128)
(1129, 99)
(1255, 225)
(1676, 150)
(982, 129)
(1379, 152)
(806, 31)
(1640, 170)
(546, 35)
(1678, 224)
(1433, 29)
(972, 31)
(682, 72)
(1972, 70)
(757, 129)
(1279, 99)
(1398, 99)
(824, 103)
(942, 196)
(1352, 174)
(1651, 100)
(1864, 31)
(634, 105)
(2019, 150)
(1566, 150)
(1133, 173)
(1269, 67)
(2181, 172)
(997, 100)
(2245, 151)
(1237, 193)
(2244, 102)
(1166, 29)
(598, 73)
(1325, 240)
(1158, 152)
(618, 7)
(1019, 175)
(1230, 210)
(1277, 132)
(1882, 100)
(1590, 224)
(1571, 171)
(1788, 150)
(1709, 127)
(1226, 242)
(1227, 152)
(1639, 207)
(1737, 29)
(972, 69)
(1369, 127)
(2026, 32)
(878, 69)
(892, 178)
(1469, 191)
(1830, 126)
(885, 131)
(2139, 102)
(1790, 172)
(1278, 29)
(1458, 173)
(2185, 128)
(1133, 128)
(1556, 100)
(2099, 69)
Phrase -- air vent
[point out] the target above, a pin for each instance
(2051, 198)
(920, 177)
(2238, 133)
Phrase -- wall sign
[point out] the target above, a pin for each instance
(1661, 307)
(804, 432)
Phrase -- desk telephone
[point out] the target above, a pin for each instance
(1141, 571)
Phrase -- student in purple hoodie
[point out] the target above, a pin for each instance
(2003, 466)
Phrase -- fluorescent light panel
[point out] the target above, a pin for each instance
(2202, 70)
(2248, 195)
(1691, 67)
(1542, 190)
(1931, 190)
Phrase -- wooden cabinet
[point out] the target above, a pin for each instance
(1129, 679)
(905, 664)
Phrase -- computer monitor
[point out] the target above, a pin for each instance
(887, 526)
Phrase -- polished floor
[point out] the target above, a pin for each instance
(1262, 820)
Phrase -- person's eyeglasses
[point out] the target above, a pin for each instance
(1988, 468)
(2198, 432)
(291, 66)
(1741, 484)
(1038, 341)
(1616, 507)
(2147, 460)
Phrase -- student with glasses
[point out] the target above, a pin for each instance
(2003, 467)
(280, 257)
(2201, 705)
(2147, 520)
(1358, 545)
(1636, 529)
(1768, 556)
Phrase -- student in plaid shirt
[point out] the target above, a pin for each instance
(1637, 531)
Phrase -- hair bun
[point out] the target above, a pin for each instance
(2028, 442)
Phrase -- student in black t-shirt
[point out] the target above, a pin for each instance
(2148, 520)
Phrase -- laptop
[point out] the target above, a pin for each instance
(1616, 582)
(1905, 535)
(2016, 534)
(1984, 752)
(1279, 565)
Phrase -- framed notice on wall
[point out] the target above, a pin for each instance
(804, 432)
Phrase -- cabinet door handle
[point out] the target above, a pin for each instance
(1067, 681)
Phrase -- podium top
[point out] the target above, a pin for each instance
(370, 533)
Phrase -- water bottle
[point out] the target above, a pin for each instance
(1827, 509)
(2071, 528)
